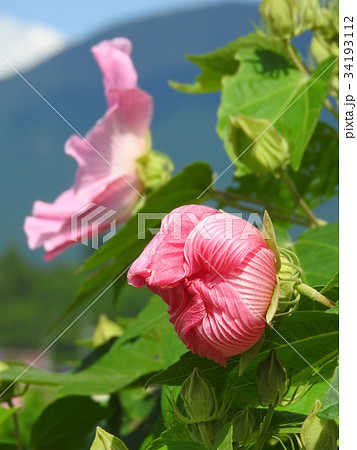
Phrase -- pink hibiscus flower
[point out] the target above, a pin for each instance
(106, 181)
(217, 275)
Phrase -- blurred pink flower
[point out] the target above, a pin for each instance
(217, 275)
(106, 174)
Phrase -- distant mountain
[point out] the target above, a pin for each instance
(33, 164)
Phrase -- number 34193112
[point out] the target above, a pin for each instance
(348, 47)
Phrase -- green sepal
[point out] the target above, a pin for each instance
(154, 169)
(270, 239)
(273, 303)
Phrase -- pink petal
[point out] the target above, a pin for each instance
(228, 326)
(221, 242)
(255, 280)
(162, 262)
(110, 149)
(52, 225)
(113, 58)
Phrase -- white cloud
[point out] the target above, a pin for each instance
(24, 45)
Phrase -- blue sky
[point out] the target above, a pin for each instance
(32, 31)
(77, 19)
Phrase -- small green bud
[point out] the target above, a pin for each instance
(318, 434)
(199, 398)
(105, 330)
(154, 169)
(272, 380)
(243, 425)
(268, 149)
(319, 48)
(279, 17)
(308, 12)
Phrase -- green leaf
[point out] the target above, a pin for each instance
(114, 369)
(222, 61)
(283, 421)
(106, 441)
(148, 345)
(318, 179)
(307, 338)
(268, 86)
(226, 443)
(331, 284)
(330, 406)
(65, 423)
(174, 438)
(5, 413)
(247, 357)
(334, 310)
(307, 109)
(8, 446)
(153, 316)
(317, 250)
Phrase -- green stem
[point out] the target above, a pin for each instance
(314, 295)
(16, 426)
(313, 220)
(295, 59)
(301, 66)
(262, 436)
(204, 435)
(255, 201)
(234, 204)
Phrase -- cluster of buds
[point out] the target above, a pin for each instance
(203, 416)
(285, 19)
(325, 42)
(288, 18)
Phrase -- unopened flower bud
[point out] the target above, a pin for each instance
(322, 49)
(308, 11)
(272, 380)
(243, 425)
(316, 433)
(269, 149)
(279, 17)
(154, 169)
(198, 396)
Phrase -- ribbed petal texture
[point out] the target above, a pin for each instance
(217, 277)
